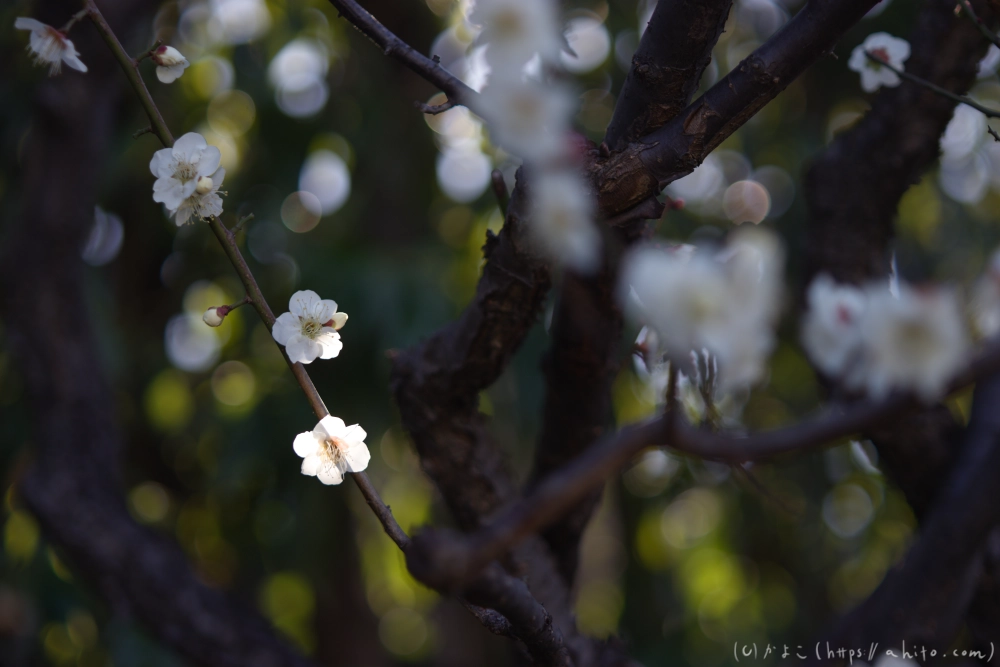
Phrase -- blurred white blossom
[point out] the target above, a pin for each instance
(892, 50)
(915, 341)
(985, 304)
(562, 220)
(528, 118)
(188, 177)
(515, 30)
(49, 46)
(170, 63)
(309, 330)
(725, 304)
(831, 332)
(332, 449)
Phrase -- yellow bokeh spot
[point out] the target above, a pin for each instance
(287, 599)
(653, 551)
(233, 383)
(920, 213)
(82, 629)
(149, 502)
(231, 112)
(169, 404)
(599, 606)
(404, 632)
(59, 647)
(20, 536)
(58, 567)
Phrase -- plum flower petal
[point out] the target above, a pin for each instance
(170, 62)
(188, 178)
(309, 330)
(332, 449)
(49, 46)
(874, 75)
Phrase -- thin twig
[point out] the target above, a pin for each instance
(242, 221)
(990, 113)
(73, 20)
(560, 491)
(434, 109)
(139, 133)
(148, 54)
(228, 241)
(132, 72)
(428, 68)
(983, 28)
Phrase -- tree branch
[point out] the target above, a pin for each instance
(429, 69)
(643, 168)
(666, 68)
(443, 560)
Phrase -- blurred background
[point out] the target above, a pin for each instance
(358, 196)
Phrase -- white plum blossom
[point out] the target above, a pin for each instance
(985, 304)
(562, 220)
(725, 304)
(309, 330)
(528, 118)
(188, 177)
(892, 50)
(170, 62)
(49, 46)
(332, 449)
(831, 332)
(515, 30)
(916, 341)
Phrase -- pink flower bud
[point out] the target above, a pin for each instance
(168, 56)
(213, 316)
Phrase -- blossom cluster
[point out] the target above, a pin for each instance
(724, 302)
(528, 112)
(878, 340)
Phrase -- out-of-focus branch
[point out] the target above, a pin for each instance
(666, 67)
(445, 560)
(642, 168)
(849, 237)
(428, 68)
(888, 150)
(925, 599)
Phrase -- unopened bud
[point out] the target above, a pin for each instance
(337, 321)
(213, 316)
(168, 56)
(204, 185)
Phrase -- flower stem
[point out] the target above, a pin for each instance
(990, 113)
(76, 18)
(971, 13)
(228, 241)
(129, 66)
(149, 54)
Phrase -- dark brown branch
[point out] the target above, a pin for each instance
(643, 168)
(457, 559)
(667, 66)
(925, 599)
(428, 68)
(980, 24)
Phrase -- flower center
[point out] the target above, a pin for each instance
(508, 23)
(916, 340)
(335, 448)
(311, 328)
(882, 55)
(185, 172)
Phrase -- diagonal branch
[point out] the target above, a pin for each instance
(643, 168)
(428, 68)
(666, 68)
(445, 560)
